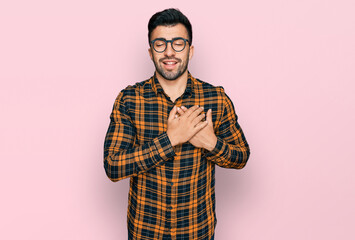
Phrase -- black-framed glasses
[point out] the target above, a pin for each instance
(160, 44)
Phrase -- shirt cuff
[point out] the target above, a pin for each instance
(163, 146)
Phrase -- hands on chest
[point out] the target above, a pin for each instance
(190, 125)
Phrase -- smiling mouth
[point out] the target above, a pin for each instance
(169, 62)
(170, 65)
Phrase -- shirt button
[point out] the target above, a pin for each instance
(170, 207)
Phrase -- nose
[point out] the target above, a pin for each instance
(169, 51)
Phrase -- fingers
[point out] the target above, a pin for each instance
(209, 116)
(200, 126)
(198, 119)
(202, 122)
(172, 113)
(196, 112)
(191, 110)
(181, 110)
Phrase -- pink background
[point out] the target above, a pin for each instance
(288, 66)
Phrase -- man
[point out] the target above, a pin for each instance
(161, 137)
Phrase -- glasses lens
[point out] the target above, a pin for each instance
(179, 45)
(159, 45)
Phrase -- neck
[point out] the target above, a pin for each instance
(173, 88)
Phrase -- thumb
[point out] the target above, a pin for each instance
(209, 116)
(172, 113)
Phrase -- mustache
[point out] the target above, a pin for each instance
(170, 58)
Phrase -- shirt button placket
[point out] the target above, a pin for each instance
(172, 209)
(173, 234)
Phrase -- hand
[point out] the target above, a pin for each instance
(181, 129)
(205, 138)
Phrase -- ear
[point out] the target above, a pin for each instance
(191, 51)
(150, 53)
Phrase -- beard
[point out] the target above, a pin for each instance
(171, 75)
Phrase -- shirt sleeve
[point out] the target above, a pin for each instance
(122, 156)
(232, 149)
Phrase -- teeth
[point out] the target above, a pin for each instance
(169, 63)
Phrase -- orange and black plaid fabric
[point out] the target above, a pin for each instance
(172, 189)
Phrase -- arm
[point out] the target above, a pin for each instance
(231, 149)
(122, 157)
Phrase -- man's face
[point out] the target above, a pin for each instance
(170, 64)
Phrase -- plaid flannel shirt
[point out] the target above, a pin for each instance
(172, 189)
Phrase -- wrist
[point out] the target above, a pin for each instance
(173, 141)
(212, 144)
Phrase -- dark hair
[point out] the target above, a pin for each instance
(169, 17)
